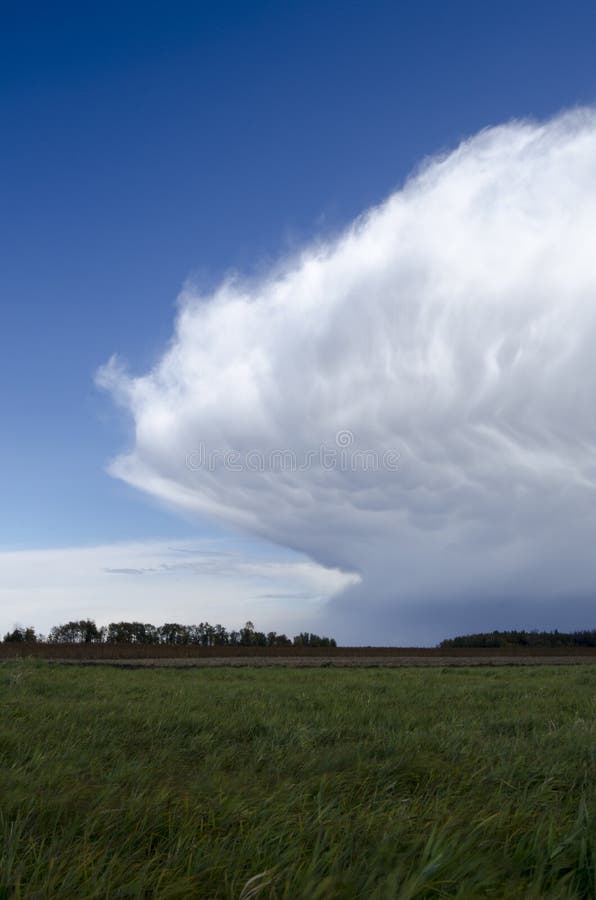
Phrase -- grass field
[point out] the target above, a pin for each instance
(297, 783)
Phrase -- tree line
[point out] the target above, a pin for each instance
(85, 631)
(524, 639)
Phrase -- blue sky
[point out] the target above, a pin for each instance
(147, 144)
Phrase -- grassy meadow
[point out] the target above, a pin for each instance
(297, 783)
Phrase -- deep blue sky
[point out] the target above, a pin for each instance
(145, 143)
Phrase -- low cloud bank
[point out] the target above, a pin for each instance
(441, 353)
(183, 581)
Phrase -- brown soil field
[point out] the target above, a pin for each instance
(332, 662)
(133, 656)
(192, 651)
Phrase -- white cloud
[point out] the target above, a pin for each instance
(454, 324)
(188, 582)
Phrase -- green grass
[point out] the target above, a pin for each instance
(312, 784)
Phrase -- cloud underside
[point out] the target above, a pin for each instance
(455, 326)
